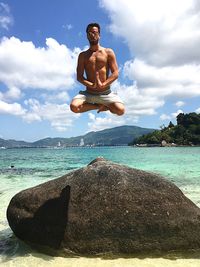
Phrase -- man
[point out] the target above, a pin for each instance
(97, 62)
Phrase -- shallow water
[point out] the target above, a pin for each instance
(34, 166)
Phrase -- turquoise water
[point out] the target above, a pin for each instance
(33, 166)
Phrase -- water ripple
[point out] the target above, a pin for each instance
(20, 171)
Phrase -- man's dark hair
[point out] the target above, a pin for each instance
(94, 24)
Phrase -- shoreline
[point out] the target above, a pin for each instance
(98, 146)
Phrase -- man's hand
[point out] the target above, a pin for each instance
(94, 85)
(99, 83)
(102, 108)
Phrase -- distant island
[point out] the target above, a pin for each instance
(185, 133)
(116, 136)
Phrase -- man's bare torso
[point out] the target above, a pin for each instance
(96, 61)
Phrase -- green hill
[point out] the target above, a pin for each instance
(13, 143)
(186, 132)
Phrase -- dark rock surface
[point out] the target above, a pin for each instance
(106, 207)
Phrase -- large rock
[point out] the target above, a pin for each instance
(106, 207)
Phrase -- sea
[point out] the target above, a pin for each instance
(27, 167)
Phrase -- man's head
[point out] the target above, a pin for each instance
(93, 33)
(94, 24)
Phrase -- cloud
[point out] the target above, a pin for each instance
(24, 66)
(197, 110)
(67, 26)
(109, 120)
(12, 109)
(181, 81)
(12, 93)
(136, 103)
(55, 97)
(24, 69)
(164, 117)
(162, 32)
(59, 116)
(175, 114)
(164, 39)
(179, 104)
(6, 19)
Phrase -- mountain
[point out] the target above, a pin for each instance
(115, 136)
(13, 143)
(121, 135)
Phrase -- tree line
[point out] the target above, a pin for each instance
(186, 132)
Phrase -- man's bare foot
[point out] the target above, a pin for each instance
(102, 108)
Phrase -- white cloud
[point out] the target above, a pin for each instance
(23, 66)
(6, 19)
(67, 26)
(12, 93)
(162, 32)
(55, 97)
(164, 39)
(59, 116)
(13, 109)
(164, 81)
(99, 123)
(164, 117)
(175, 114)
(197, 110)
(1, 96)
(179, 104)
(62, 95)
(136, 103)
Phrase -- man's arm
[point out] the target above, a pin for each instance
(80, 72)
(112, 64)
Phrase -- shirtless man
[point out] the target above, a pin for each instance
(97, 62)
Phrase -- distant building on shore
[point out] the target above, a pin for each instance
(82, 142)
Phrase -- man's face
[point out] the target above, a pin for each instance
(93, 35)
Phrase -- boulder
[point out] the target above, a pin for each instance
(106, 207)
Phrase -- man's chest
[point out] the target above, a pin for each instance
(96, 58)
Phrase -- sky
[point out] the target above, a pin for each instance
(156, 44)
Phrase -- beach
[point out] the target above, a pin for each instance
(35, 166)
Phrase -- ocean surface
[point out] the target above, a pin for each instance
(30, 167)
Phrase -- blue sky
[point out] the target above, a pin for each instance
(157, 48)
